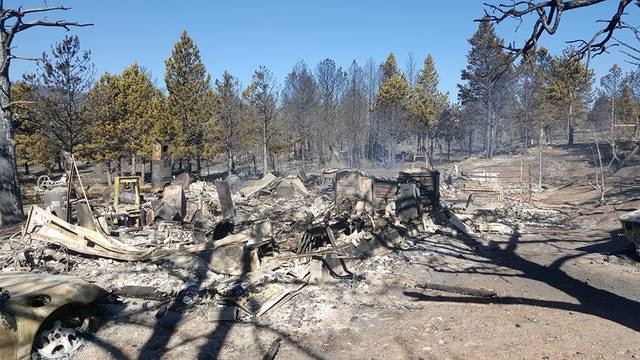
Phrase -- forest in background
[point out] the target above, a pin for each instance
(361, 112)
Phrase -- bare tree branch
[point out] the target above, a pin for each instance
(18, 57)
(549, 14)
(11, 23)
(17, 25)
(59, 23)
(43, 9)
(10, 13)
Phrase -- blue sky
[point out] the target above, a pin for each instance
(239, 36)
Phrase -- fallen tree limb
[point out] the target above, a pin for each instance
(273, 350)
(458, 290)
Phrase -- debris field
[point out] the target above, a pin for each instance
(271, 261)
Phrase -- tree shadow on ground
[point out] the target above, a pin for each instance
(215, 340)
(156, 346)
(591, 300)
(164, 329)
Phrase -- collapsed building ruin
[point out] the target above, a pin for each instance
(239, 249)
(230, 238)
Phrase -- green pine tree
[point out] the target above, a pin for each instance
(427, 102)
(389, 68)
(32, 146)
(569, 89)
(392, 102)
(188, 86)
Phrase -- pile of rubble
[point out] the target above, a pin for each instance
(231, 249)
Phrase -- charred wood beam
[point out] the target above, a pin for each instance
(458, 290)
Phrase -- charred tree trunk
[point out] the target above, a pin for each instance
(230, 163)
(570, 126)
(120, 172)
(10, 196)
(526, 121)
(303, 155)
(265, 157)
(489, 138)
(11, 23)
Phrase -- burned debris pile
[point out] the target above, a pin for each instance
(237, 249)
(230, 249)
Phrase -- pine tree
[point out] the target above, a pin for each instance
(262, 97)
(64, 78)
(104, 144)
(600, 113)
(213, 144)
(389, 68)
(489, 84)
(230, 115)
(627, 106)
(32, 146)
(612, 86)
(300, 104)
(130, 116)
(188, 84)
(427, 102)
(532, 110)
(569, 89)
(392, 102)
(142, 118)
(450, 126)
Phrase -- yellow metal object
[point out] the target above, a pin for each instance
(129, 185)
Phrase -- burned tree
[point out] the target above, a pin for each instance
(300, 102)
(62, 83)
(12, 22)
(488, 86)
(262, 97)
(532, 111)
(549, 14)
(354, 113)
(371, 74)
(331, 81)
(230, 114)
